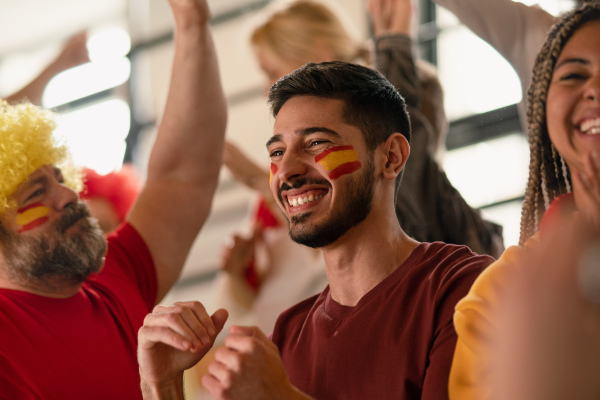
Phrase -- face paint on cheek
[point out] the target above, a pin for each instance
(32, 216)
(338, 161)
(272, 172)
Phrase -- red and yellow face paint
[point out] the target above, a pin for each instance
(272, 172)
(32, 216)
(338, 161)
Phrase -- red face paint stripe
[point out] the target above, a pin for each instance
(22, 210)
(273, 171)
(344, 169)
(322, 155)
(33, 224)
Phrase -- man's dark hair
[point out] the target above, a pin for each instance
(372, 104)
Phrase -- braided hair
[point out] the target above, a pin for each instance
(548, 174)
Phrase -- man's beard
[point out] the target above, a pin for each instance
(355, 206)
(56, 258)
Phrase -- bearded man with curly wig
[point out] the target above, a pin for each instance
(71, 300)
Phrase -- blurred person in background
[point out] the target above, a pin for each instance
(110, 196)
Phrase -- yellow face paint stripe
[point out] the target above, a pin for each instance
(338, 161)
(333, 157)
(32, 216)
(334, 160)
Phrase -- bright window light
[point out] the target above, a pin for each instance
(108, 43)
(509, 216)
(86, 80)
(491, 171)
(96, 134)
(474, 76)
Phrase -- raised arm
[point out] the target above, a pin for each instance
(73, 53)
(186, 158)
(515, 30)
(394, 56)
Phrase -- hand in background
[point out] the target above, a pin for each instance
(549, 335)
(589, 181)
(240, 252)
(74, 53)
(391, 16)
(190, 13)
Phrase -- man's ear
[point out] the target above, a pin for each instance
(396, 152)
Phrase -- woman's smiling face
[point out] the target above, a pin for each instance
(573, 103)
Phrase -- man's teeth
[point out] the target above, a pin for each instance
(298, 201)
(591, 126)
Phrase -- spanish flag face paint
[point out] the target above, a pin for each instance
(32, 216)
(272, 172)
(338, 161)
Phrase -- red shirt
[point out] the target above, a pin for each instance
(82, 347)
(396, 343)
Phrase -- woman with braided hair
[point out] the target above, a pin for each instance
(530, 326)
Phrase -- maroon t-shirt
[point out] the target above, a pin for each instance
(82, 347)
(396, 343)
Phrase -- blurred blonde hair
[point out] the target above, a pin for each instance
(293, 29)
(27, 142)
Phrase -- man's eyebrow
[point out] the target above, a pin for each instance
(306, 132)
(315, 129)
(35, 181)
(573, 60)
(273, 139)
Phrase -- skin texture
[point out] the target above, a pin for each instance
(573, 98)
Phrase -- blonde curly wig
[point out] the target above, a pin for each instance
(548, 174)
(27, 142)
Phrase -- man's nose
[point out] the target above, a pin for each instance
(64, 196)
(291, 166)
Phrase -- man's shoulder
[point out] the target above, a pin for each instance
(443, 261)
(128, 267)
(125, 244)
(449, 254)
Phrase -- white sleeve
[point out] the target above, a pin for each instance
(515, 30)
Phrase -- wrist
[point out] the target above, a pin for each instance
(170, 390)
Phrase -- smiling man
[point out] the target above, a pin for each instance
(383, 328)
(71, 301)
